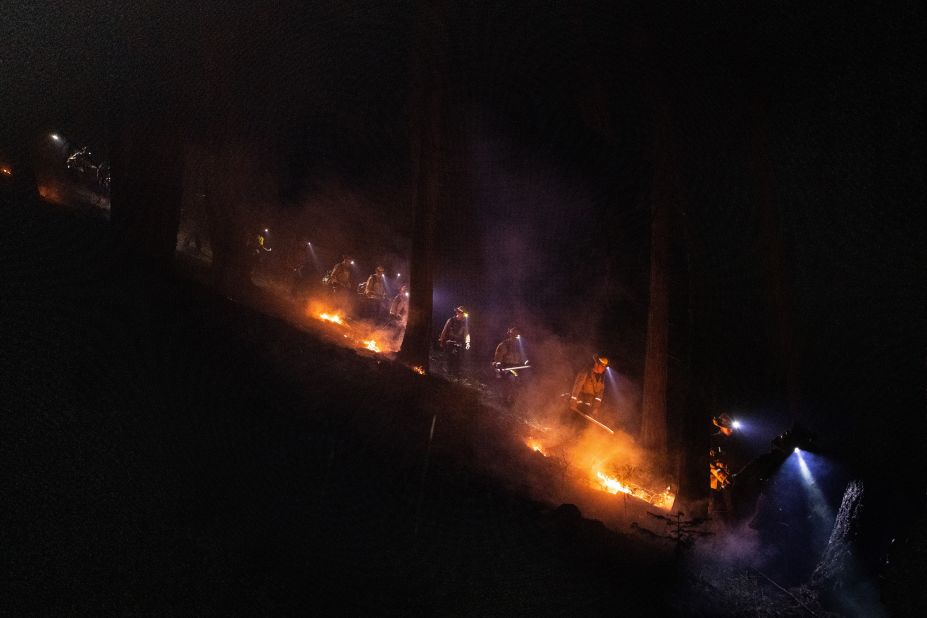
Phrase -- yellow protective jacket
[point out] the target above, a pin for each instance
(720, 475)
(588, 392)
(375, 287)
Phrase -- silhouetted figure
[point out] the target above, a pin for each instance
(340, 283)
(399, 308)
(509, 353)
(454, 340)
(375, 295)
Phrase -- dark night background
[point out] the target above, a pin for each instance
(801, 118)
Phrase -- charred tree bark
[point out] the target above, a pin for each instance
(428, 176)
(664, 193)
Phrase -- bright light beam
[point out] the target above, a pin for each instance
(612, 377)
(315, 258)
(818, 502)
(386, 285)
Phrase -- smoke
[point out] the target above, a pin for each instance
(731, 547)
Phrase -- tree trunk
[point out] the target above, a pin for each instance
(653, 421)
(147, 189)
(428, 177)
(146, 144)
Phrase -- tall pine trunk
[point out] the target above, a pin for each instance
(146, 144)
(663, 194)
(428, 133)
(147, 189)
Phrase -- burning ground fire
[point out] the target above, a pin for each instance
(334, 318)
(371, 345)
(359, 334)
(604, 482)
(536, 446)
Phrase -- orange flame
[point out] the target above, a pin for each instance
(6, 171)
(331, 317)
(419, 370)
(663, 500)
(535, 445)
(371, 345)
(612, 485)
(660, 499)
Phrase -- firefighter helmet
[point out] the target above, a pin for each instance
(600, 359)
(724, 423)
(512, 332)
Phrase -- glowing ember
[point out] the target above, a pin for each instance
(419, 370)
(612, 485)
(535, 445)
(331, 317)
(6, 171)
(371, 345)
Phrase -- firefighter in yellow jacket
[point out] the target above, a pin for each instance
(375, 295)
(589, 387)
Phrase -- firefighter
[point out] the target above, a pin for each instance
(375, 294)
(260, 248)
(454, 340)
(725, 425)
(589, 387)
(301, 271)
(719, 478)
(720, 475)
(339, 279)
(509, 353)
(340, 282)
(399, 307)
